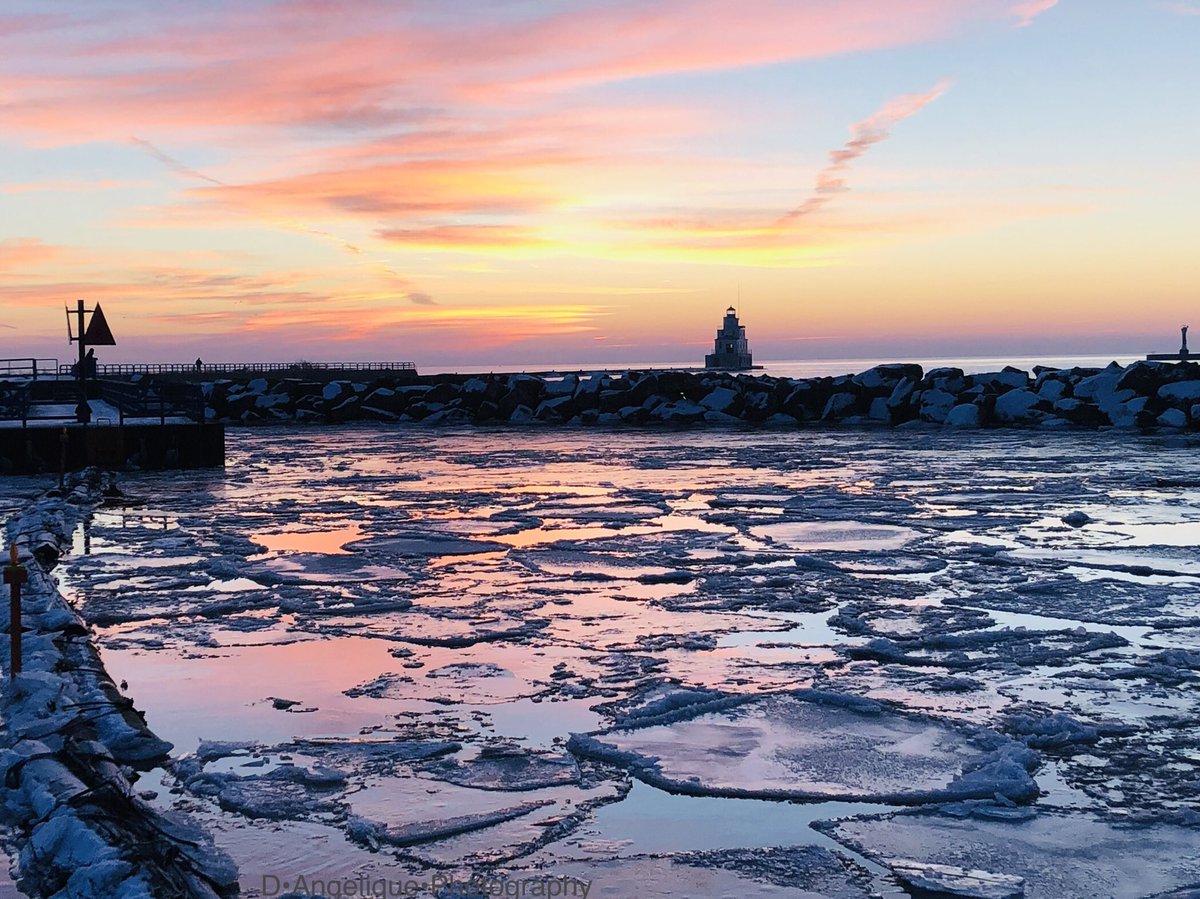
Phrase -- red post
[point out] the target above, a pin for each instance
(14, 575)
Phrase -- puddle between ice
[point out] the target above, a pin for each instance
(1178, 533)
(807, 629)
(327, 542)
(851, 536)
(656, 821)
(1135, 634)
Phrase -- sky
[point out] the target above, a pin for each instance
(509, 182)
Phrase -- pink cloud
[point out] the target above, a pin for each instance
(863, 135)
(417, 188)
(167, 70)
(638, 39)
(1182, 9)
(18, 253)
(1028, 11)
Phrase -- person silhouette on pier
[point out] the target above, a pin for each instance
(199, 365)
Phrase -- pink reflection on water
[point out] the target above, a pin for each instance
(330, 543)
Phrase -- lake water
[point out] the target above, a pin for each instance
(344, 598)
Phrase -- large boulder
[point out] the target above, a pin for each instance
(386, 399)
(806, 399)
(1181, 393)
(556, 409)
(1173, 418)
(964, 415)
(839, 406)
(613, 398)
(722, 399)
(948, 379)
(1017, 406)
(1053, 389)
(886, 377)
(903, 402)
(1079, 412)
(759, 405)
(682, 411)
(1102, 388)
(1128, 414)
(564, 387)
(526, 389)
(879, 411)
(1008, 378)
(936, 405)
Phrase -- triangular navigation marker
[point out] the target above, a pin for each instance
(98, 333)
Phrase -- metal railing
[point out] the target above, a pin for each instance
(233, 368)
(29, 367)
(140, 399)
(150, 399)
(15, 400)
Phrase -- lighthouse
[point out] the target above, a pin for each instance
(730, 350)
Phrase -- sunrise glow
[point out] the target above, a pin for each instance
(503, 182)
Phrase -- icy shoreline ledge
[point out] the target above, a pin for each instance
(1142, 395)
(71, 744)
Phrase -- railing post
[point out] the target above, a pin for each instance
(14, 575)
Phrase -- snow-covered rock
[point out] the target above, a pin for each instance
(1016, 405)
(838, 405)
(1181, 392)
(936, 405)
(1173, 418)
(1052, 389)
(964, 415)
(720, 399)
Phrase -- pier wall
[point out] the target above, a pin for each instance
(36, 450)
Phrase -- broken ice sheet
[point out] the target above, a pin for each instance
(813, 746)
(1056, 854)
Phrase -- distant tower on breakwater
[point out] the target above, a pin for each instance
(730, 349)
(1182, 356)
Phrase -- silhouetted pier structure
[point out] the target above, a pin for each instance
(147, 424)
(1182, 356)
(206, 371)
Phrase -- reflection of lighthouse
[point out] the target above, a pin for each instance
(730, 349)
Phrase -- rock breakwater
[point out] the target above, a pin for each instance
(1141, 395)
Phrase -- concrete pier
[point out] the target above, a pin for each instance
(39, 450)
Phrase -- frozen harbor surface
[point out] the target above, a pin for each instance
(671, 664)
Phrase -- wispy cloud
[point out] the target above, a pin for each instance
(1028, 11)
(24, 252)
(172, 163)
(1181, 9)
(831, 180)
(461, 238)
